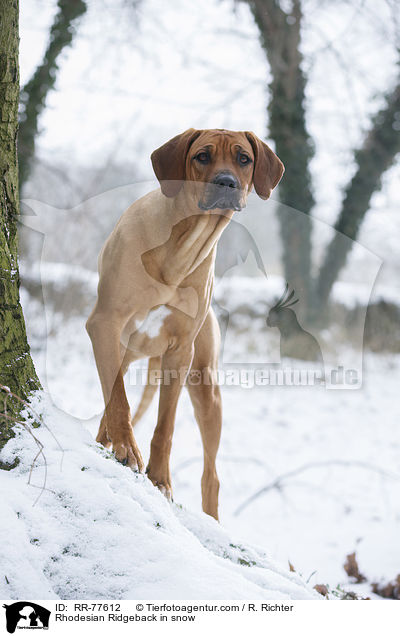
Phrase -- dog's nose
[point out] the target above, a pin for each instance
(226, 180)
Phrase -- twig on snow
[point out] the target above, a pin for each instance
(279, 481)
(27, 426)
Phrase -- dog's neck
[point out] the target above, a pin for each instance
(196, 237)
(193, 238)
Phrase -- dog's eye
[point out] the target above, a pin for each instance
(243, 159)
(203, 157)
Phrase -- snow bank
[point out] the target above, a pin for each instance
(256, 292)
(100, 531)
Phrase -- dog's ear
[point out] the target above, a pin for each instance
(169, 161)
(268, 168)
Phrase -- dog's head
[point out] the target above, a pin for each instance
(218, 167)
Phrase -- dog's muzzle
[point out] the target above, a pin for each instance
(223, 193)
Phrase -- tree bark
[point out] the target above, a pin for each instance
(376, 155)
(34, 93)
(16, 366)
(280, 39)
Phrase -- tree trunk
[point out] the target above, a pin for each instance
(373, 159)
(280, 38)
(16, 366)
(34, 93)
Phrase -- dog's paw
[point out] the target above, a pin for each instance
(103, 440)
(129, 455)
(161, 482)
(165, 490)
(102, 436)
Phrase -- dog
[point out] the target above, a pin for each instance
(156, 274)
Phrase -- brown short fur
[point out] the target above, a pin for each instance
(161, 253)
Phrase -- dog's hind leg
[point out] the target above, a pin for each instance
(175, 365)
(149, 390)
(206, 399)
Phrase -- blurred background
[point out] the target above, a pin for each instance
(103, 83)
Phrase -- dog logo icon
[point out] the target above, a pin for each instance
(296, 342)
(26, 615)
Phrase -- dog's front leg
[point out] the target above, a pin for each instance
(175, 366)
(115, 427)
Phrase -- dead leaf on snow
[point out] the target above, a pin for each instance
(321, 589)
(352, 570)
(388, 590)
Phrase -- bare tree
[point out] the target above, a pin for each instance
(280, 35)
(280, 38)
(375, 156)
(34, 93)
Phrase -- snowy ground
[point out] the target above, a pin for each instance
(343, 495)
(100, 531)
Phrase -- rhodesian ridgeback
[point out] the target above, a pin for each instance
(154, 295)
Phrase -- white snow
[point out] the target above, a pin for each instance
(98, 530)
(345, 495)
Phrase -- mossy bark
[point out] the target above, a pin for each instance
(16, 367)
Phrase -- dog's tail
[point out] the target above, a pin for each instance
(149, 390)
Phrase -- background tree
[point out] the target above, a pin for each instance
(16, 367)
(34, 93)
(280, 36)
(376, 155)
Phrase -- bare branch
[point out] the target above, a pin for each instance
(278, 482)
